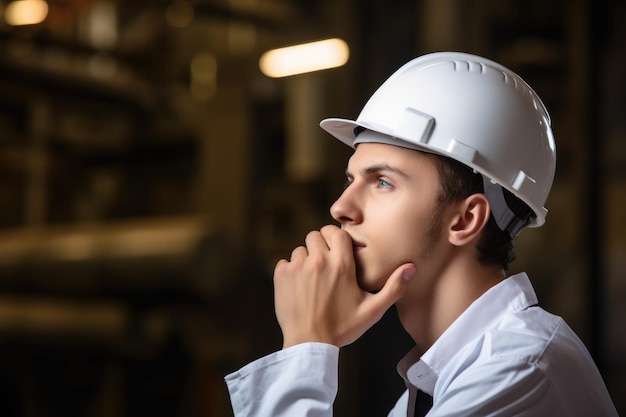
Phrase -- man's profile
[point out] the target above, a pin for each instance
(453, 156)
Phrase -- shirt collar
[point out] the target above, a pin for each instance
(511, 295)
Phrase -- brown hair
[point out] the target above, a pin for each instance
(457, 182)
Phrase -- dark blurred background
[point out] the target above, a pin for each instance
(151, 176)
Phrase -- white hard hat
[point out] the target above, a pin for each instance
(475, 111)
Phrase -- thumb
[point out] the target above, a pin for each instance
(393, 289)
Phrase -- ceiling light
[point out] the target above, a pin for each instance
(306, 57)
(26, 12)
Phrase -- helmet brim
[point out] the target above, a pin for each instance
(345, 129)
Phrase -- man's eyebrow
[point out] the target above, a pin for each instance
(378, 168)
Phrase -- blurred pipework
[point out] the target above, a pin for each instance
(151, 176)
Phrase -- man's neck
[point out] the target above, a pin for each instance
(431, 306)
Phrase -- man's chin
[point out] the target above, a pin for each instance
(369, 285)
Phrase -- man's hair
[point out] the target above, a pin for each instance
(457, 182)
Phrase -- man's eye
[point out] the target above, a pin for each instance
(383, 183)
(347, 183)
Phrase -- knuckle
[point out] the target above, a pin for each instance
(297, 252)
(328, 228)
(317, 261)
(343, 236)
(279, 268)
(329, 231)
(312, 234)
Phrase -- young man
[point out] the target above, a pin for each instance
(454, 155)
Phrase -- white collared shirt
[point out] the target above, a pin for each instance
(503, 356)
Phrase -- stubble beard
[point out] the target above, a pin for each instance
(429, 240)
(433, 231)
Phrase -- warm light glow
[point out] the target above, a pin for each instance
(102, 25)
(179, 14)
(307, 57)
(26, 12)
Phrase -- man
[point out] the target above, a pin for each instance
(454, 155)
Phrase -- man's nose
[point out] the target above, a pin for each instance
(346, 208)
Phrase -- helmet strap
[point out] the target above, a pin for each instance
(506, 219)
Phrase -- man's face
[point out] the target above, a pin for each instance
(389, 209)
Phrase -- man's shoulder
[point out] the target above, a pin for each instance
(533, 336)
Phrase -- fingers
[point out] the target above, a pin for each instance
(327, 238)
(317, 296)
(377, 304)
(315, 242)
(336, 237)
(396, 284)
(299, 253)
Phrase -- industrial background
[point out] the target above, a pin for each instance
(151, 176)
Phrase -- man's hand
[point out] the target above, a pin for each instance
(317, 298)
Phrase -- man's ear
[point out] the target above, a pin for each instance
(470, 219)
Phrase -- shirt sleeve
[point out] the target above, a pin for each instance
(297, 381)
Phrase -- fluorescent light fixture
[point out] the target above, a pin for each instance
(26, 12)
(306, 57)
